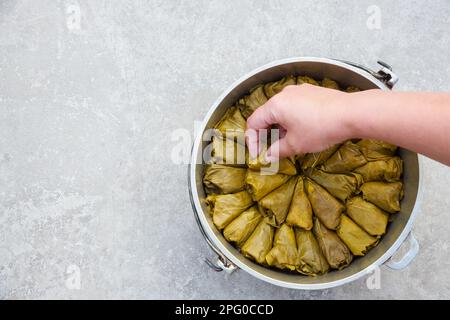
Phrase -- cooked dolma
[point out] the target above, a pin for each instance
(232, 125)
(224, 179)
(224, 208)
(312, 160)
(375, 149)
(331, 84)
(225, 151)
(368, 216)
(340, 185)
(299, 159)
(306, 79)
(284, 253)
(272, 88)
(259, 243)
(300, 212)
(335, 251)
(324, 205)
(356, 239)
(242, 227)
(258, 185)
(253, 101)
(390, 169)
(345, 159)
(275, 205)
(311, 259)
(351, 89)
(386, 195)
(284, 166)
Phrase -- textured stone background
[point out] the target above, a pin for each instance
(86, 179)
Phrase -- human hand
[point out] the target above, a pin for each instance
(310, 119)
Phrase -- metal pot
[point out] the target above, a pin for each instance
(346, 73)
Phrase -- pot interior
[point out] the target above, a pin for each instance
(345, 77)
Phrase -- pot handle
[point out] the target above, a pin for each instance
(385, 74)
(408, 257)
(221, 263)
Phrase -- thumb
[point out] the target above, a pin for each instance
(279, 150)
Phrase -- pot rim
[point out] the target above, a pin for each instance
(195, 201)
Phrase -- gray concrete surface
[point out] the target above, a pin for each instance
(87, 186)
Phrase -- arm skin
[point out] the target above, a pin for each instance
(415, 121)
(313, 118)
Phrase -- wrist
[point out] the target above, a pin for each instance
(356, 113)
(349, 123)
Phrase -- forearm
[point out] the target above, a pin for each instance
(416, 121)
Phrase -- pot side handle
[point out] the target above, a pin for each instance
(221, 263)
(407, 258)
(385, 74)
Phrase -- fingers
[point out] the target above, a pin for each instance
(279, 150)
(256, 141)
(263, 117)
(282, 131)
(251, 138)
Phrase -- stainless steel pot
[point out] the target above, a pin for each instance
(347, 73)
